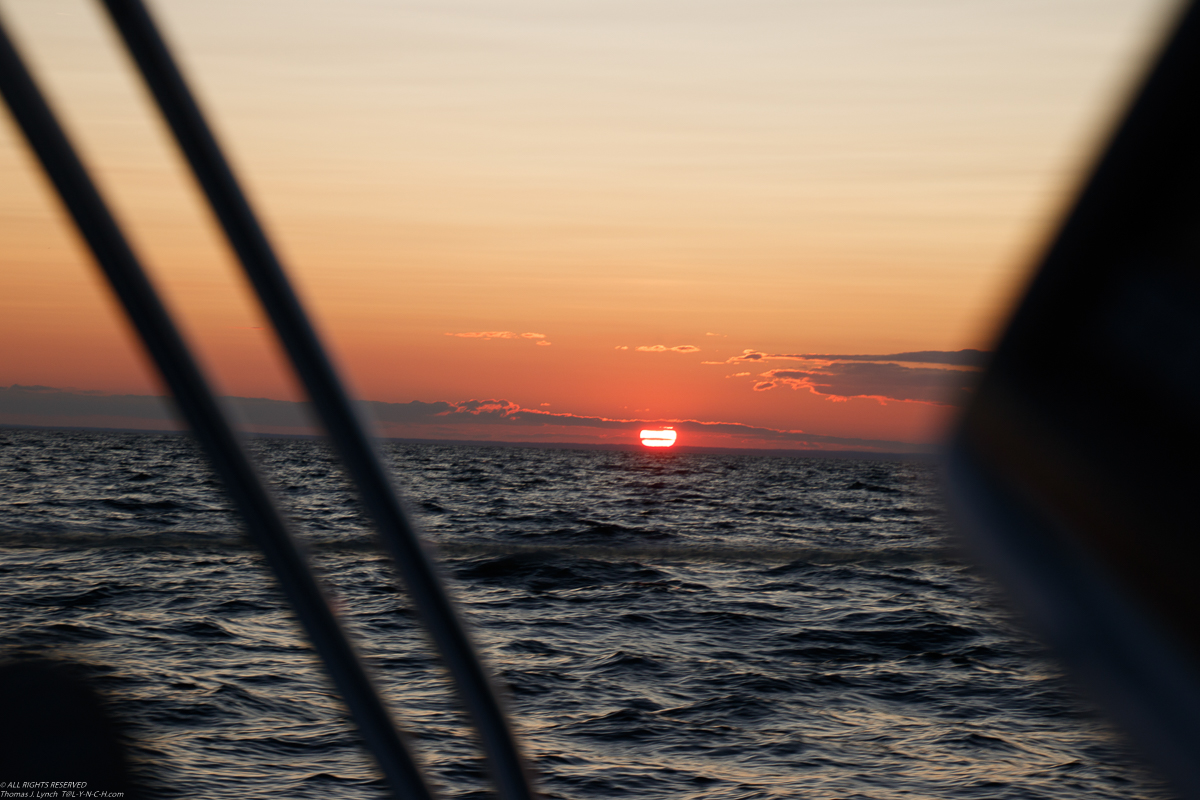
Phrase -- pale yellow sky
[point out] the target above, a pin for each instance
(861, 176)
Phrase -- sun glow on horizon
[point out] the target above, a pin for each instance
(767, 184)
(664, 437)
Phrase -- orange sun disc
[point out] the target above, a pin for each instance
(659, 438)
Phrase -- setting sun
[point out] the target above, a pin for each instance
(658, 438)
(796, 230)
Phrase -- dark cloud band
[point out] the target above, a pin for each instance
(40, 405)
(957, 358)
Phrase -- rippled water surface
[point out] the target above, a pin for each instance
(667, 624)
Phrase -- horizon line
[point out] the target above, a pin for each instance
(930, 453)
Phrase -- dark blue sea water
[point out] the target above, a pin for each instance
(667, 624)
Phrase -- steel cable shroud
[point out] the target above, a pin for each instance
(199, 407)
(333, 405)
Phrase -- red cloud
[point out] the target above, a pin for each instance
(477, 407)
(498, 335)
(746, 356)
(660, 348)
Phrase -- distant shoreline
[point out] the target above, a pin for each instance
(857, 455)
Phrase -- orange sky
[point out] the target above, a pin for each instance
(863, 177)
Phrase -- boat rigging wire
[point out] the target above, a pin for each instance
(197, 404)
(333, 405)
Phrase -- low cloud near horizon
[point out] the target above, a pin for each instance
(961, 358)
(487, 335)
(880, 377)
(475, 419)
(662, 348)
(879, 381)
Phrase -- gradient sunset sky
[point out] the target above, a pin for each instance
(771, 224)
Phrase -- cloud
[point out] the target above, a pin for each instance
(43, 405)
(882, 377)
(496, 419)
(959, 358)
(497, 412)
(659, 348)
(18, 402)
(842, 381)
(746, 356)
(622, 347)
(498, 335)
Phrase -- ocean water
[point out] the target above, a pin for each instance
(666, 625)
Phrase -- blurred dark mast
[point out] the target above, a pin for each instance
(1076, 464)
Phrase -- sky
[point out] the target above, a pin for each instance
(769, 223)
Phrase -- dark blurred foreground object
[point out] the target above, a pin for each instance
(54, 728)
(1075, 468)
